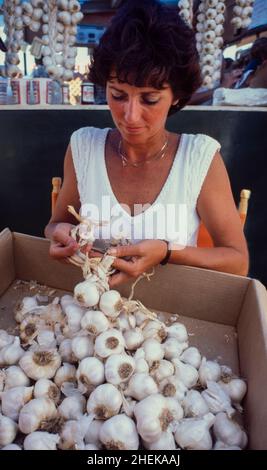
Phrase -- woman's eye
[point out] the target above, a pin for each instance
(150, 102)
(118, 97)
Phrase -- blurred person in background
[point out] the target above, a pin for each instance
(229, 76)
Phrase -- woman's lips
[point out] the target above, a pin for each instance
(133, 130)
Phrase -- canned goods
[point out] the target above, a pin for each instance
(88, 96)
(16, 95)
(33, 92)
(65, 94)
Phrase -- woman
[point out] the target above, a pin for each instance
(148, 62)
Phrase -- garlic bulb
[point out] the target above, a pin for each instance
(95, 322)
(15, 377)
(194, 404)
(11, 353)
(154, 351)
(153, 416)
(109, 342)
(105, 401)
(92, 433)
(141, 386)
(40, 364)
(119, 433)
(66, 373)
(119, 368)
(65, 351)
(86, 293)
(82, 346)
(161, 369)
(8, 430)
(236, 389)
(173, 348)
(209, 370)
(133, 338)
(24, 306)
(14, 399)
(41, 440)
(178, 331)
(39, 413)
(217, 399)
(46, 339)
(11, 447)
(229, 432)
(46, 388)
(173, 387)
(73, 432)
(5, 339)
(166, 441)
(74, 314)
(155, 329)
(193, 433)
(191, 356)
(72, 407)
(111, 303)
(90, 373)
(185, 372)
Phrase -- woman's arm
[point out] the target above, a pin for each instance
(61, 222)
(218, 212)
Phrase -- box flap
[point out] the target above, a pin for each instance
(32, 262)
(252, 341)
(7, 269)
(193, 292)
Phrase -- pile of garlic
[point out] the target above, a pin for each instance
(95, 370)
(14, 36)
(58, 20)
(209, 40)
(242, 10)
(186, 11)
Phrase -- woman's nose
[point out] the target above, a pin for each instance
(132, 111)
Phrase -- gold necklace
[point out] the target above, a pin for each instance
(158, 156)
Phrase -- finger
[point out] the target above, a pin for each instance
(128, 267)
(59, 251)
(118, 279)
(125, 250)
(62, 237)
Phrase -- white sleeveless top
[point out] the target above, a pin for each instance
(172, 216)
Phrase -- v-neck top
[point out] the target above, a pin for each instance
(172, 216)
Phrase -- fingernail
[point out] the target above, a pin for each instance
(112, 251)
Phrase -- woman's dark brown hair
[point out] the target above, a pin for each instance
(148, 44)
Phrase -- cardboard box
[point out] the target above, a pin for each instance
(226, 315)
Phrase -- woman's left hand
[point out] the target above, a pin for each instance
(144, 256)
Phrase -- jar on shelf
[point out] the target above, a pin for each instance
(88, 96)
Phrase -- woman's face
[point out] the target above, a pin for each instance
(139, 113)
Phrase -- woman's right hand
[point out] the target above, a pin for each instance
(62, 244)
